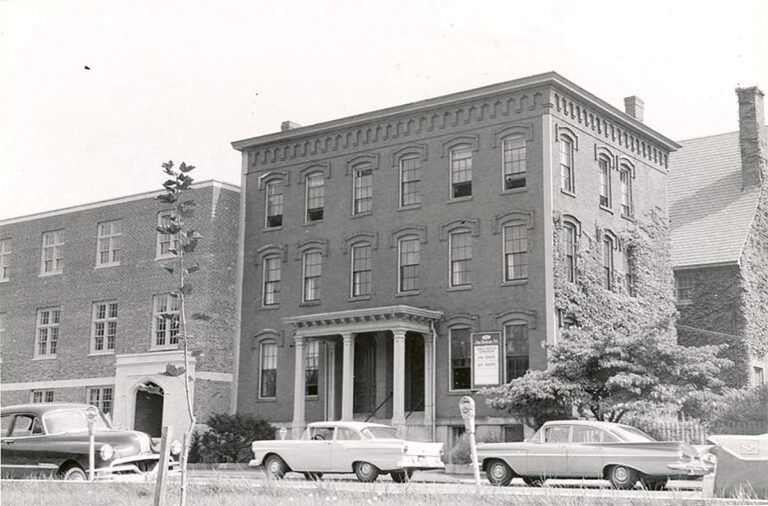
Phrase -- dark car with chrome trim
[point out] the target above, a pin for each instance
(52, 440)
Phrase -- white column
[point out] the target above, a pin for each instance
(398, 380)
(330, 380)
(429, 378)
(348, 376)
(298, 388)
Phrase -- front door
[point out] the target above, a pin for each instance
(414, 373)
(149, 410)
(365, 374)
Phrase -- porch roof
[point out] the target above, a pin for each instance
(364, 320)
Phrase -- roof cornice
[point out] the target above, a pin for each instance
(548, 78)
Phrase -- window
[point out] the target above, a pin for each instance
(101, 397)
(566, 165)
(513, 162)
(40, 396)
(108, 243)
(268, 373)
(626, 267)
(312, 367)
(515, 252)
(461, 171)
(608, 262)
(569, 251)
(758, 376)
(5, 260)
(514, 433)
(410, 177)
(362, 190)
(409, 264)
(104, 326)
(557, 434)
(315, 196)
(167, 244)
(274, 203)
(625, 176)
(27, 425)
(584, 434)
(461, 258)
(53, 259)
(272, 274)
(684, 285)
(47, 331)
(515, 350)
(461, 356)
(345, 434)
(605, 182)
(361, 270)
(313, 271)
(166, 320)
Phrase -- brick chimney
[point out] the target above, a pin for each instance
(635, 107)
(751, 136)
(288, 125)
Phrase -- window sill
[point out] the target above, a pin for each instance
(456, 393)
(628, 218)
(409, 207)
(105, 266)
(310, 303)
(461, 288)
(5, 280)
(569, 193)
(48, 274)
(269, 399)
(361, 215)
(271, 229)
(459, 199)
(606, 209)
(171, 347)
(409, 293)
(101, 353)
(312, 223)
(359, 298)
(270, 307)
(508, 191)
(514, 282)
(45, 357)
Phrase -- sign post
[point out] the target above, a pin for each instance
(90, 418)
(467, 408)
(162, 465)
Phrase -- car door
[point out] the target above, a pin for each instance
(548, 458)
(585, 452)
(314, 454)
(347, 447)
(22, 448)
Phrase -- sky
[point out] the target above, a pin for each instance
(181, 80)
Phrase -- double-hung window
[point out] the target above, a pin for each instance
(268, 370)
(272, 275)
(5, 259)
(362, 201)
(101, 397)
(104, 327)
(684, 286)
(53, 255)
(569, 251)
(513, 162)
(166, 320)
(274, 204)
(409, 264)
(315, 199)
(312, 367)
(48, 320)
(566, 165)
(608, 262)
(461, 171)
(515, 252)
(625, 177)
(461, 356)
(361, 270)
(515, 350)
(108, 243)
(40, 396)
(410, 179)
(167, 243)
(629, 278)
(313, 272)
(461, 258)
(605, 182)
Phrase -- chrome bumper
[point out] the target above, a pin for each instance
(420, 462)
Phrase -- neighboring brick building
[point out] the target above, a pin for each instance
(80, 289)
(375, 245)
(718, 198)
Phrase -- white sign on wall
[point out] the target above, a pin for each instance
(486, 359)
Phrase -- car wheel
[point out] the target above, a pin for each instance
(533, 481)
(654, 483)
(622, 477)
(401, 476)
(366, 472)
(275, 467)
(74, 473)
(498, 473)
(313, 476)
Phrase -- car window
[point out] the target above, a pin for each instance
(377, 432)
(70, 420)
(630, 434)
(6, 424)
(557, 434)
(346, 434)
(22, 426)
(321, 433)
(584, 434)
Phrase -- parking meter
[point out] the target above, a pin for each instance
(467, 409)
(91, 415)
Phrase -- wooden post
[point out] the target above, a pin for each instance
(162, 465)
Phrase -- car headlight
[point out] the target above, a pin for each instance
(106, 452)
(175, 447)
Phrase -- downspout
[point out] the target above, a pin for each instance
(433, 363)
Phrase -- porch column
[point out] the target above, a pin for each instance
(398, 381)
(348, 376)
(298, 388)
(429, 378)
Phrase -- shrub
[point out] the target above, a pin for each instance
(228, 438)
(743, 412)
(462, 453)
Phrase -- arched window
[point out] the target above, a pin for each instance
(315, 197)
(513, 162)
(312, 267)
(311, 367)
(608, 268)
(362, 189)
(516, 355)
(567, 176)
(515, 251)
(625, 177)
(274, 204)
(409, 248)
(460, 251)
(410, 180)
(570, 243)
(461, 171)
(270, 295)
(362, 267)
(460, 358)
(268, 370)
(605, 181)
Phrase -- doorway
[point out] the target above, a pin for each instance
(149, 409)
(365, 374)
(414, 372)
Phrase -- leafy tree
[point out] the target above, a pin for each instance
(743, 411)
(620, 353)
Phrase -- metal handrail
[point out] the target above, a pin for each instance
(379, 406)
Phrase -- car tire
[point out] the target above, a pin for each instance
(275, 467)
(533, 481)
(499, 473)
(401, 476)
(654, 483)
(622, 477)
(313, 476)
(366, 472)
(74, 473)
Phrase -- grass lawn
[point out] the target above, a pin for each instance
(248, 492)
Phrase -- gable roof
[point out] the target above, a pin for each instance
(710, 214)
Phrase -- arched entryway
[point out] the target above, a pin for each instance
(149, 409)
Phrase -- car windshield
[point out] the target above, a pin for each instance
(70, 420)
(630, 434)
(379, 433)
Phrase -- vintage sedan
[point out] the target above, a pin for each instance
(52, 440)
(619, 453)
(366, 449)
